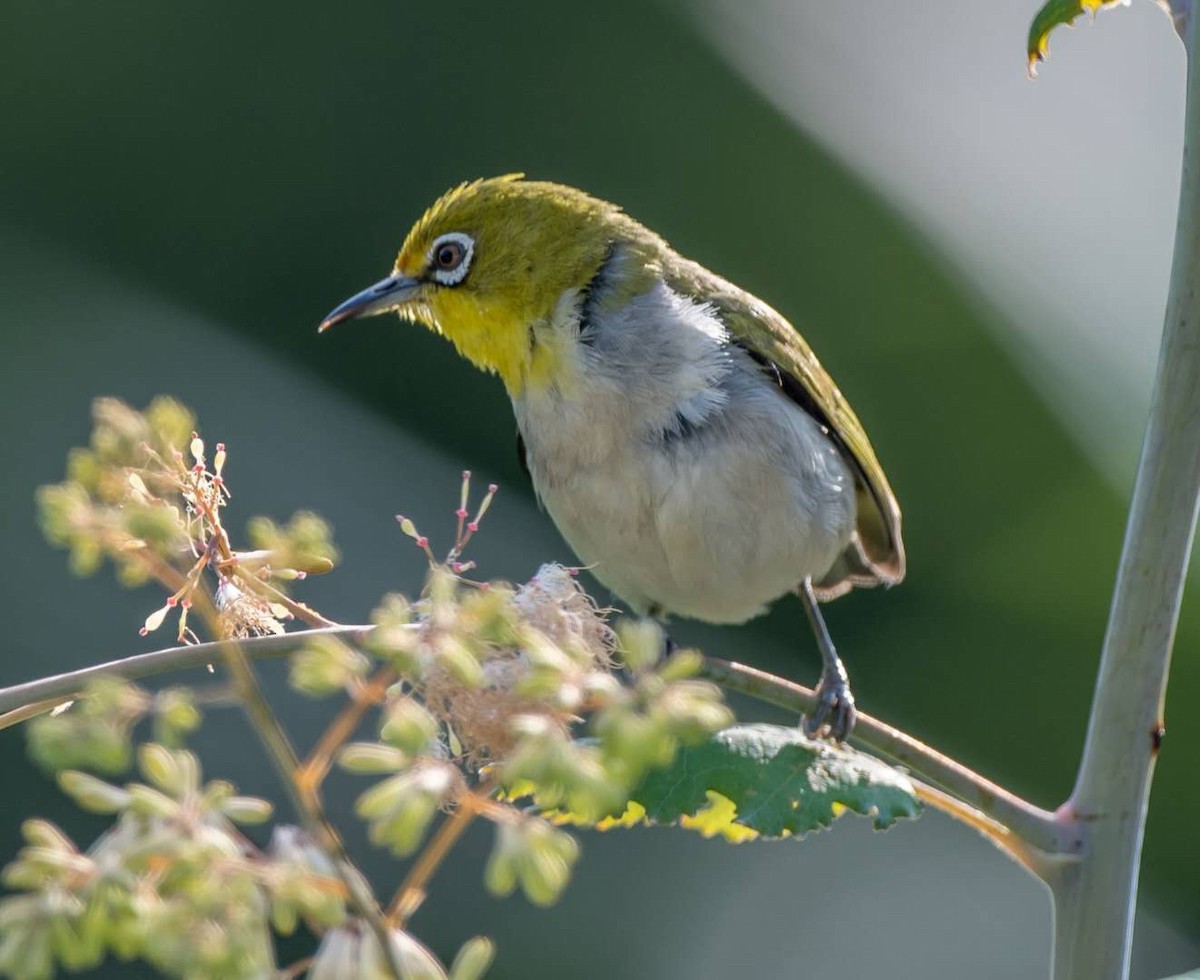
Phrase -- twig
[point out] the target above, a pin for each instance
(305, 614)
(62, 687)
(1012, 845)
(316, 766)
(1039, 828)
(27, 711)
(411, 892)
(308, 806)
(1095, 900)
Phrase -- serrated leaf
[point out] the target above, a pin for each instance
(778, 782)
(1058, 12)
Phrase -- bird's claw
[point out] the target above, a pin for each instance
(835, 707)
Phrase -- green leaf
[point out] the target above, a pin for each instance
(1057, 12)
(778, 781)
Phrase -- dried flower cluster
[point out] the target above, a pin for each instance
(146, 495)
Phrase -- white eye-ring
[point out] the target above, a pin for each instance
(450, 257)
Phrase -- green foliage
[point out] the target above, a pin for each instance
(1055, 13)
(172, 882)
(399, 809)
(529, 852)
(94, 732)
(779, 782)
(480, 697)
(353, 951)
(304, 544)
(326, 665)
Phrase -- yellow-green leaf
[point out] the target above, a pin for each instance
(772, 781)
(1053, 14)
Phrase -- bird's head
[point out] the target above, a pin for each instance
(487, 265)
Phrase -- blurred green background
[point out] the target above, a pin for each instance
(185, 190)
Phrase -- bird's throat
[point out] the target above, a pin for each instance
(524, 356)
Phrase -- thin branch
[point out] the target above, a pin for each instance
(411, 893)
(307, 805)
(1033, 860)
(28, 711)
(49, 691)
(1095, 901)
(266, 590)
(316, 766)
(62, 687)
(1039, 828)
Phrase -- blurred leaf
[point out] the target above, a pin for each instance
(772, 781)
(1057, 12)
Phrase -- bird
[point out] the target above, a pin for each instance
(680, 432)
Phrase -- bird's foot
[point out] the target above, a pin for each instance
(835, 709)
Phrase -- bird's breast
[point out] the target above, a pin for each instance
(680, 473)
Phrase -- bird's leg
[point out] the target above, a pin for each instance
(659, 615)
(835, 702)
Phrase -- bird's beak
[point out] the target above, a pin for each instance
(387, 294)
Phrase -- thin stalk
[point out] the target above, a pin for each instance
(62, 687)
(1039, 829)
(307, 805)
(1044, 831)
(316, 766)
(1096, 898)
(411, 893)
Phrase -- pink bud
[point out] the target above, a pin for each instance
(473, 526)
(422, 541)
(461, 512)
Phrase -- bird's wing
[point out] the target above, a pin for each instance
(772, 341)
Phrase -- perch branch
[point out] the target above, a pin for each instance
(1039, 829)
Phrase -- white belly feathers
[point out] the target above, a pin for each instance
(677, 470)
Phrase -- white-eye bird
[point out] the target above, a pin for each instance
(680, 432)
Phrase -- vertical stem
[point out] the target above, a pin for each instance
(1095, 898)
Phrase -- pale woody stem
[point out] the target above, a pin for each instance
(1037, 828)
(1096, 898)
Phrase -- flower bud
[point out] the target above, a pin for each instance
(247, 809)
(401, 808)
(473, 959)
(408, 725)
(371, 758)
(641, 643)
(92, 794)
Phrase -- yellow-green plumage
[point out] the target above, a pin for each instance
(547, 238)
(680, 431)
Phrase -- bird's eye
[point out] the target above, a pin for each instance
(449, 254)
(450, 258)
